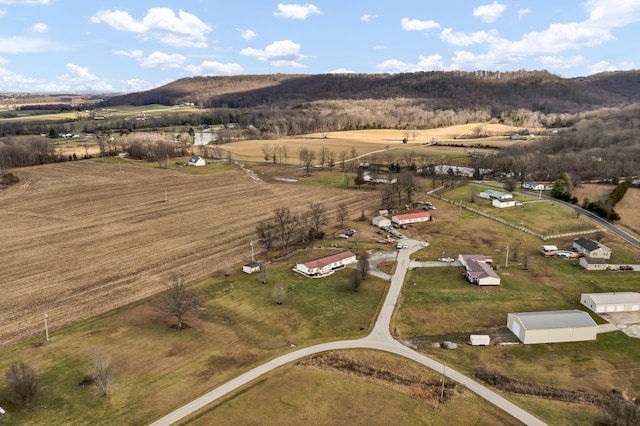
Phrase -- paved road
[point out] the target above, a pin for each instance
(380, 338)
(597, 219)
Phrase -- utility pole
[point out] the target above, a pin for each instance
(253, 259)
(442, 388)
(506, 260)
(46, 326)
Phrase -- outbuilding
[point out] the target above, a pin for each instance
(621, 301)
(502, 204)
(251, 267)
(381, 221)
(405, 219)
(552, 326)
(196, 160)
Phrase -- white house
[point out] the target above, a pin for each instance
(534, 186)
(491, 194)
(552, 326)
(478, 269)
(404, 219)
(251, 267)
(503, 204)
(593, 263)
(621, 301)
(381, 221)
(591, 248)
(327, 264)
(196, 160)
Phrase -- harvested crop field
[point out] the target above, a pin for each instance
(82, 238)
(627, 207)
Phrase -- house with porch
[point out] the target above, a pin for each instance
(326, 265)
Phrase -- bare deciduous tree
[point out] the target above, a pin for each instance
(179, 300)
(286, 223)
(267, 233)
(318, 215)
(308, 157)
(343, 212)
(102, 375)
(23, 387)
(355, 280)
(363, 264)
(324, 156)
(279, 293)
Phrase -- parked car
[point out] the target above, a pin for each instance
(402, 245)
(626, 268)
(343, 236)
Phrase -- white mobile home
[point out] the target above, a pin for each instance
(405, 219)
(327, 264)
(552, 326)
(621, 301)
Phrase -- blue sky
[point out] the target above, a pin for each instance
(64, 46)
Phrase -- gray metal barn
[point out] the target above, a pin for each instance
(552, 326)
(621, 301)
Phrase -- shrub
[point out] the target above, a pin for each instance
(23, 386)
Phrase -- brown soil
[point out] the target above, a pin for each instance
(84, 237)
(627, 208)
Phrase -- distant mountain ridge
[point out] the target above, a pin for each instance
(532, 90)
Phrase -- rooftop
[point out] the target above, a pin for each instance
(554, 319)
(616, 297)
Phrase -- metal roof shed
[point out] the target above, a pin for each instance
(621, 301)
(552, 326)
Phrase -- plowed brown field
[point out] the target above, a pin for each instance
(82, 238)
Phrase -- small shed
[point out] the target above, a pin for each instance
(621, 301)
(381, 221)
(479, 340)
(552, 326)
(251, 267)
(502, 204)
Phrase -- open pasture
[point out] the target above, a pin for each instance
(85, 237)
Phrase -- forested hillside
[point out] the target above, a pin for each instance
(498, 91)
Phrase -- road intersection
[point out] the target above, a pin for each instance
(380, 339)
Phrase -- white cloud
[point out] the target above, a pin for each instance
(183, 30)
(602, 66)
(131, 54)
(39, 28)
(77, 80)
(3, 12)
(248, 34)
(465, 39)
(214, 68)
(561, 62)
(425, 63)
(368, 18)
(489, 12)
(523, 12)
(136, 85)
(19, 44)
(296, 11)
(3, 60)
(341, 71)
(25, 1)
(379, 47)
(283, 53)
(417, 25)
(612, 13)
(162, 60)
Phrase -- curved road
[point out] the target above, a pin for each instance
(380, 339)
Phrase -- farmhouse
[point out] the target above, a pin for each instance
(478, 270)
(552, 326)
(593, 263)
(622, 301)
(327, 264)
(491, 194)
(251, 267)
(196, 160)
(381, 221)
(591, 248)
(404, 219)
(534, 186)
